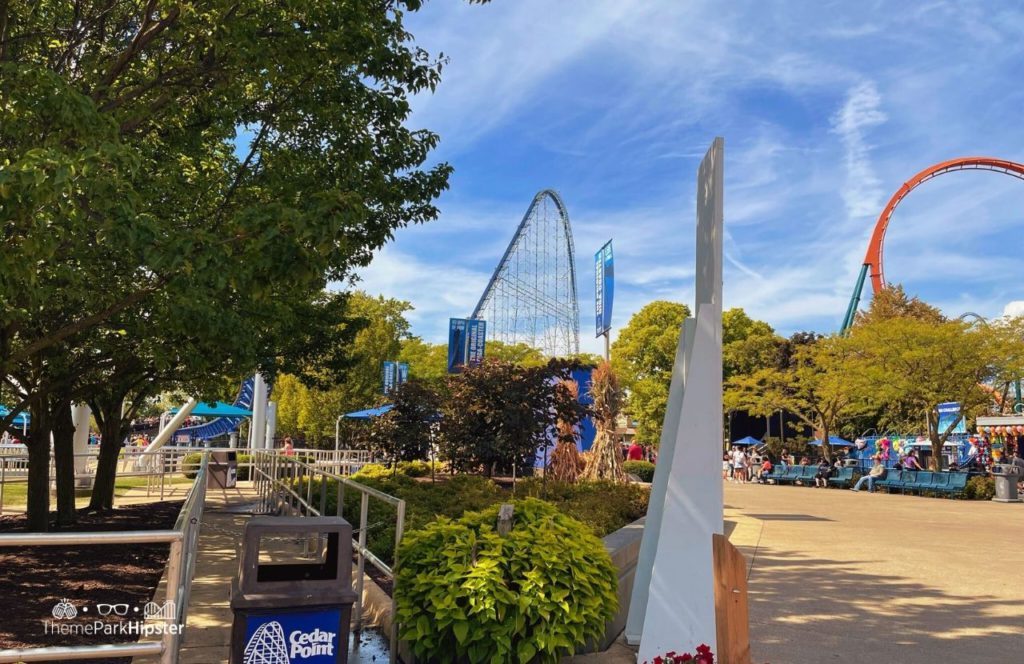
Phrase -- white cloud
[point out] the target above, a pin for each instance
(861, 111)
(1014, 309)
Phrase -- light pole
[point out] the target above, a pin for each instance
(337, 433)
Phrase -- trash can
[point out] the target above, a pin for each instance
(222, 470)
(288, 611)
(1007, 477)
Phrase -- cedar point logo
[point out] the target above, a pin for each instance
(268, 646)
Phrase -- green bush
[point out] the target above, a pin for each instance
(466, 594)
(191, 461)
(407, 468)
(417, 468)
(642, 469)
(980, 488)
(603, 506)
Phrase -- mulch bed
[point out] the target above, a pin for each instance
(33, 580)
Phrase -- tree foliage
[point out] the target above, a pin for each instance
(644, 353)
(816, 388)
(405, 433)
(201, 172)
(499, 414)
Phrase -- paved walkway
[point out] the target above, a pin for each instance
(837, 576)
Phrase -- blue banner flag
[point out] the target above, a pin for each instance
(456, 344)
(604, 288)
(403, 372)
(467, 338)
(389, 377)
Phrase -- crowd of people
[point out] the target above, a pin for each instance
(742, 465)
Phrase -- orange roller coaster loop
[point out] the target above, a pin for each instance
(873, 258)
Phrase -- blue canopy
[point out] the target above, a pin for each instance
(218, 409)
(834, 441)
(21, 419)
(368, 413)
(747, 440)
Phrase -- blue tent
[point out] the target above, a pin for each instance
(218, 409)
(834, 441)
(20, 420)
(747, 440)
(368, 413)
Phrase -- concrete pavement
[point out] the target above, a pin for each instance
(837, 576)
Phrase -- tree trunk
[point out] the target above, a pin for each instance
(826, 446)
(38, 444)
(936, 462)
(106, 468)
(63, 458)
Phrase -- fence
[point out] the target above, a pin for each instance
(183, 539)
(285, 484)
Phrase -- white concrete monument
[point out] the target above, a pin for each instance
(673, 601)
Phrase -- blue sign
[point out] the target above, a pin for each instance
(403, 373)
(948, 412)
(293, 638)
(456, 344)
(467, 338)
(389, 377)
(604, 288)
(476, 339)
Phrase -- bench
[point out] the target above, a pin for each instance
(843, 478)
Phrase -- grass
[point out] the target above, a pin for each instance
(15, 492)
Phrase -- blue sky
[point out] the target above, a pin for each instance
(826, 109)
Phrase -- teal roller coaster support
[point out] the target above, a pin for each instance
(851, 311)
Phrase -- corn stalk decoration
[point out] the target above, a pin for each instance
(605, 462)
(566, 463)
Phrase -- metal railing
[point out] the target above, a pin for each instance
(285, 484)
(183, 539)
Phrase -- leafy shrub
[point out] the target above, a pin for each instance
(980, 488)
(642, 469)
(377, 470)
(190, 465)
(406, 468)
(417, 468)
(464, 593)
(603, 506)
(425, 501)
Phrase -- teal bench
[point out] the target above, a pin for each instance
(843, 478)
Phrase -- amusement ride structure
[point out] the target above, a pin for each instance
(531, 297)
(873, 259)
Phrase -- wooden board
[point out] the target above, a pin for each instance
(732, 622)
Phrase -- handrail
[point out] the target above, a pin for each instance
(183, 540)
(278, 488)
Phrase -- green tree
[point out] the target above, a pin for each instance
(642, 357)
(121, 121)
(310, 409)
(498, 414)
(748, 345)
(921, 363)
(405, 433)
(893, 302)
(427, 362)
(816, 388)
